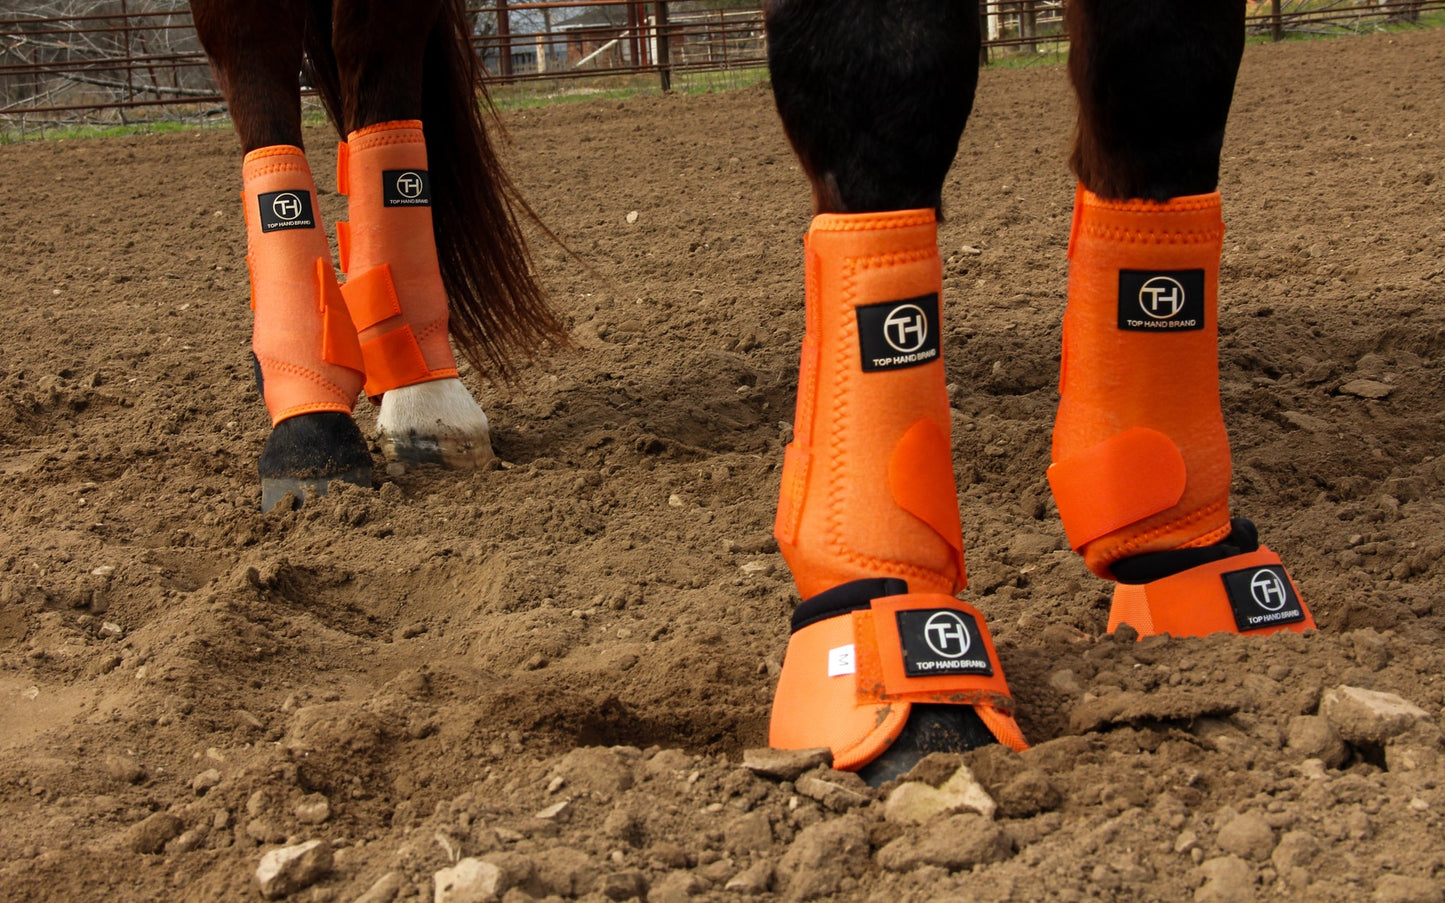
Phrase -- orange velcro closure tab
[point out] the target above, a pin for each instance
(1118, 482)
(371, 297)
(343, 168)
(393, 360)
(920, 476)
(338, 337)
(927, 647)
(343, 244)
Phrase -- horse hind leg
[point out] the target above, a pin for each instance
(395, 289)
(874, 95)
(307, 361)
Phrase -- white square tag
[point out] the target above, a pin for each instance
(842, 661)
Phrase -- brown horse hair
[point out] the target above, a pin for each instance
(499, 312)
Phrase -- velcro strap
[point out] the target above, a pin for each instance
(920, 476)
(343, 244)
(343, 168)
(393, 360)
(371, 297)
(338, 336)
(927, 647)
(1118, 482)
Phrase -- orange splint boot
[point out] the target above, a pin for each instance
(302, 336)
(388, 251)
(868, 515)
(1141, 462)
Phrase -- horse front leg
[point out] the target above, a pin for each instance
(394, 288)
(884, 664)
(307, 358)
(1141, 460)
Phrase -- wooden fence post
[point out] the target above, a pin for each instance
(664, 47)
(1276, 25)
(504, 35)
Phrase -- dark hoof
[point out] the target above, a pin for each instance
(930, 729)
(310, 452)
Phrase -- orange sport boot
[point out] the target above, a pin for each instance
(302, 337)
(868, 515)
(1141, 463)
(394, 284)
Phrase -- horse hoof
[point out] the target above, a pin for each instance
(930, 729)
(310, 452)
(437, 423)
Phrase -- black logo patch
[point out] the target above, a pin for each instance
(1161, 300)
(941, 641)
(406, 188)
(286, 210)
(898, 334)
(1262, 597)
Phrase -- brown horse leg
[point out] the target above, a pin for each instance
(874, 95)
(1139, 393)
(255, 49)
(395, 287)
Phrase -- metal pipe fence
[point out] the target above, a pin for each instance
(118, 61)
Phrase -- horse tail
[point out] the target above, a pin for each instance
(499, 314)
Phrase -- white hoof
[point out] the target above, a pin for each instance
(435, 422)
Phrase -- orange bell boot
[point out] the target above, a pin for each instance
(868, 510)
(303, 338)
(865, 654)
(1141, 462)
(394, 284)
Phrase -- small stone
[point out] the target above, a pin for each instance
(104, 570)
(1305, 422)
(314, 809)
(749, 833)
(837, 790)
(1028, 794)
(1313, 737)
(631, 217)
(150, 835)
(757, 568)
(785, 764)
(289, 869)
(1186, 841)
(1296, 849)
(756, 879)
(1366, 388)
(823, 855)
(123, 769)
(676, 887)
(469, 881)
(204, 781)
(960, 842)
(914, 803)
(553, 810)
(1370, 650)
(187, 841)
(386, 889)
(1406, 889)
(1227, 879)
(395, 469)
(1369, 716)
(627, 885)
(1249, 837)
(596, 769)
(110, 629)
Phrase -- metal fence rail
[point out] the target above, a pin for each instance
(107, 61)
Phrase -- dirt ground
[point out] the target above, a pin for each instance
(557, 665)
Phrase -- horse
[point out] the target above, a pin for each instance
(884, 663)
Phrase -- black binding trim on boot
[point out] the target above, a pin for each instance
(854, 595)
(1242, 539)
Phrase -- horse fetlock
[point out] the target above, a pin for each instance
(307, 453)
(436, 423)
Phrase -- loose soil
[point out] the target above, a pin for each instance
(424, 670)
